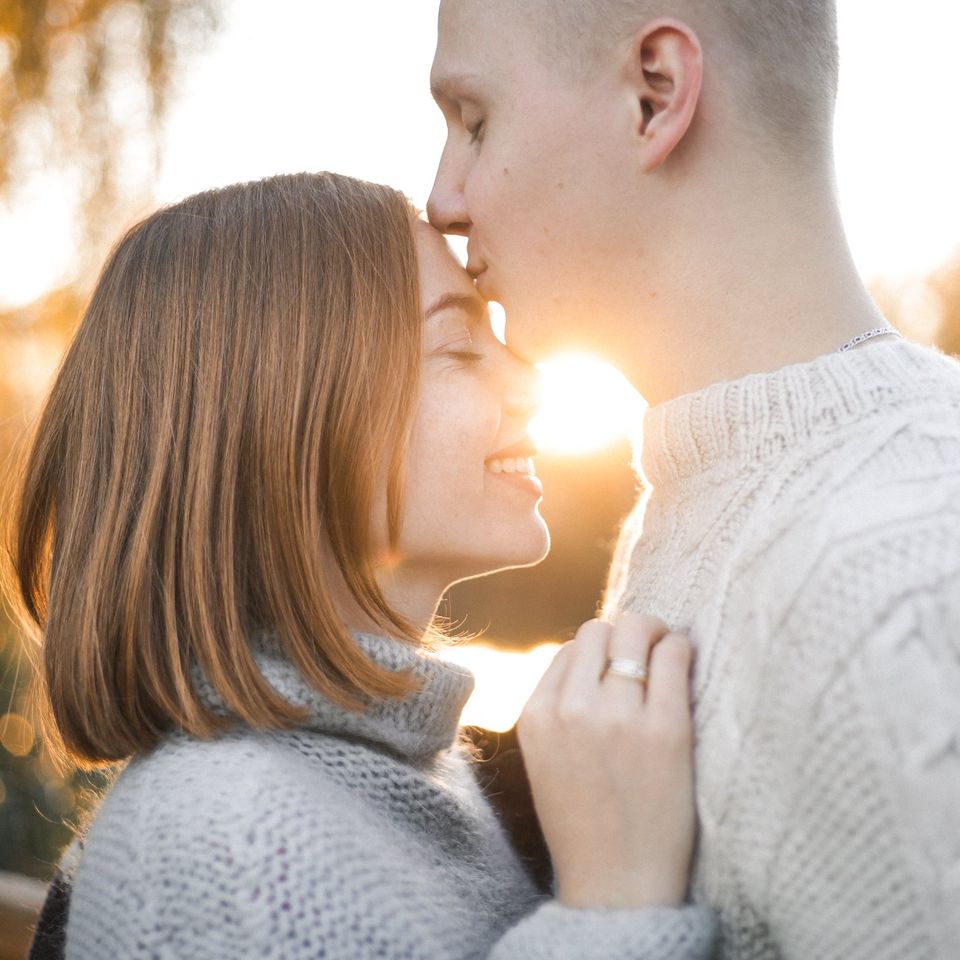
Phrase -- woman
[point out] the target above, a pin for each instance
(283, 429)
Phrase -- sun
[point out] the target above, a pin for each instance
(585, 405)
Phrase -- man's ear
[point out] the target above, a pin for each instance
(665, 71)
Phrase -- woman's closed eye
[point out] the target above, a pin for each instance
(461, 347)
(464, 354)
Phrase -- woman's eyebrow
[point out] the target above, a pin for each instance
(470, 304)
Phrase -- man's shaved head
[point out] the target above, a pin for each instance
(780, 55)
(645, 180)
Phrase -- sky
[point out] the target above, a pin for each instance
(344, 86)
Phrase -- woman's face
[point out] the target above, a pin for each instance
(470, 496)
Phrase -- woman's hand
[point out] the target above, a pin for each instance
(610, 764)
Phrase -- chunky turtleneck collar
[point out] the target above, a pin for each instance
(418, 727)
(733, 425)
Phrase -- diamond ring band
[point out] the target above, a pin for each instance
(625, 667)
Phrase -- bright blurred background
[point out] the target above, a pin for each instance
(110, 107)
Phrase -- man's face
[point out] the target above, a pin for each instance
(533, 173)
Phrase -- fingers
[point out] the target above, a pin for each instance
(588, 660)
(575, 657)
(551, 682)
(575, 686)
(632, 637)
(634, 634)
(566, 691)
(668, 686)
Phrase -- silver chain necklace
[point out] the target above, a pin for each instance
(869, 335)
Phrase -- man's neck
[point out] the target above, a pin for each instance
(765, 283)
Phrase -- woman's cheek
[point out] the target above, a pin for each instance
(457, 425)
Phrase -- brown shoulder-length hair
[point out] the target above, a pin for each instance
(209, 460)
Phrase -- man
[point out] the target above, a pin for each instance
(653, 182)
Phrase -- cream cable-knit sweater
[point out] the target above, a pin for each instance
(358, 836)
(804, 526)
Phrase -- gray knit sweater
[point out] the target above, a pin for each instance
(354, 837)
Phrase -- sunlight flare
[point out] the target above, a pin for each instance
(505, 680)
(585, 405)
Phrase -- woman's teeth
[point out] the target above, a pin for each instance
(522, 465)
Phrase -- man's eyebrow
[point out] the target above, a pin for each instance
(472, 305)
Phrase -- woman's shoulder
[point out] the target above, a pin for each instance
(241, 759)
(219, 793)
(198, 833)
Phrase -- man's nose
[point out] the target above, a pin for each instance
(446, 206)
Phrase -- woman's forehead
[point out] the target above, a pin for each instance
(438, 264)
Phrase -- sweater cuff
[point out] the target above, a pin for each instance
(557, 932)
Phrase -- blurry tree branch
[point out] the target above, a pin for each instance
(84, 87)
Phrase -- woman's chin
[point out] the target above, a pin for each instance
(526, 553)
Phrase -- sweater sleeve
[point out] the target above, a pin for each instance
(867, 866)
(370, 910)
(556, 932)
(357, 905)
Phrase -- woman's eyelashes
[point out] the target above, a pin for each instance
(465, 356)
(475, 132)
(462, 348)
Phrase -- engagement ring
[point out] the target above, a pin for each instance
(624, 667)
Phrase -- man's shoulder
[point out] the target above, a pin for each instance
(870, 554)
(883, 482)
(875, 513)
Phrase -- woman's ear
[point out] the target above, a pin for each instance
(665, 71)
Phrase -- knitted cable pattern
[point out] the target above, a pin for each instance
(357, 836)
(804, 527)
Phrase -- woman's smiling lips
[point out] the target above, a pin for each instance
(525, 481)
(514, 464)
